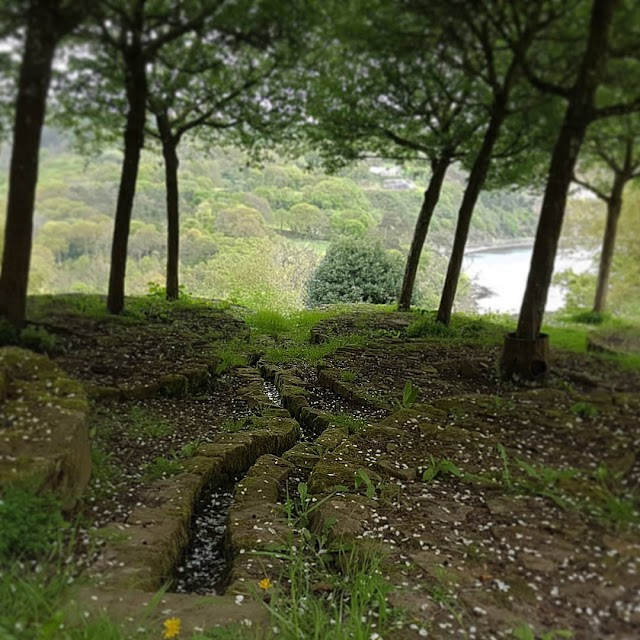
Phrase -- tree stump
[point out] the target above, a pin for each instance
(525, 359)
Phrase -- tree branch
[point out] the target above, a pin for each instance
(600, 194)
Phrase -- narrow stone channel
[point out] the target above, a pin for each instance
(272, 393)
(205, 567)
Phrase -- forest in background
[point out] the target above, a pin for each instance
(251, 234)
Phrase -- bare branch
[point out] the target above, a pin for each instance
(600, 194)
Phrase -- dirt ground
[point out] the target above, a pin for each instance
(497, 506)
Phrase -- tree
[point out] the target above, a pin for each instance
(602, 59)
(354, 270)
(482, 52)
(384, 87)
(611, 144)
(195, 86)
(46, 23)
(110, 76)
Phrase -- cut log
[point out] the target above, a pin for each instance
(525, 359)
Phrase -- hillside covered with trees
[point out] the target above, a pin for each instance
(250, 233)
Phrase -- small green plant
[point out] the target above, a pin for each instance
(362, 479)
(438, 467)
(38, 339)
(270, 323)
(427, 327)
(348, 376)
(442, 590)
(507, 480)
(589, 317)
(31, 523)
(143, 423)
(584, 410)
(231, 354)
(525, 631)
(299, 510)
(155, 290)
(409, 395)
(347, 421)
(544, 481)
(161, 468)
(189, 449)
(232, 426)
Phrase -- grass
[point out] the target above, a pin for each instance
(233, 426)
(598, 494)
(31, 523)
(353, 602)
(347, 421)
(348, 376)
(162, 468)
(145, 424)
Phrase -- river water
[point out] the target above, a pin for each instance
(503, 271)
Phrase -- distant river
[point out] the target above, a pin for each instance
(503, 271)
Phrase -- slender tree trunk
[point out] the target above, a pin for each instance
(136, 81)
(171, 163)
(577, 117)
(44, 29)
(476, 181)
(431, 196)
(614, 206)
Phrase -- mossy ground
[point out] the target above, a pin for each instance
(472, 553)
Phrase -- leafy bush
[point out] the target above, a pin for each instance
(427, 327)
(8, 334)
(355, 270)
(31, 524)
(37, 339)
(588, 317)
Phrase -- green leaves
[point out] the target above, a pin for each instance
(441, 466)
(355, 270)
(409, 394)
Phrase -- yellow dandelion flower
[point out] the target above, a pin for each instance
(171, 628)
(265, 584)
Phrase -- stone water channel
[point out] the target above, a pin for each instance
(206, 565)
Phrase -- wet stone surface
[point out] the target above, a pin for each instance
(205, 567)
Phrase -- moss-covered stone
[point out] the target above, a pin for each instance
(102, 392)
(140, 391)
(334, 470)
(288, 378)
(45, 439)
(275, 412)
(263, 482)
(173, 385)
(235, 455)
(331, 438)
(198, 376)
(255, 395)
(304, 455)
(315, 419)
(210, 469)
(294, 399)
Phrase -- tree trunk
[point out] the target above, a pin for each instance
(614, 206)
(476, 181)
(171, 162)
(577, 117)
(431, 197)
(136, 85)
(33, 86)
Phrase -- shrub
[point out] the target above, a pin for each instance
(37, 339)
(355, 270)
(8, 333)
(31, 524)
